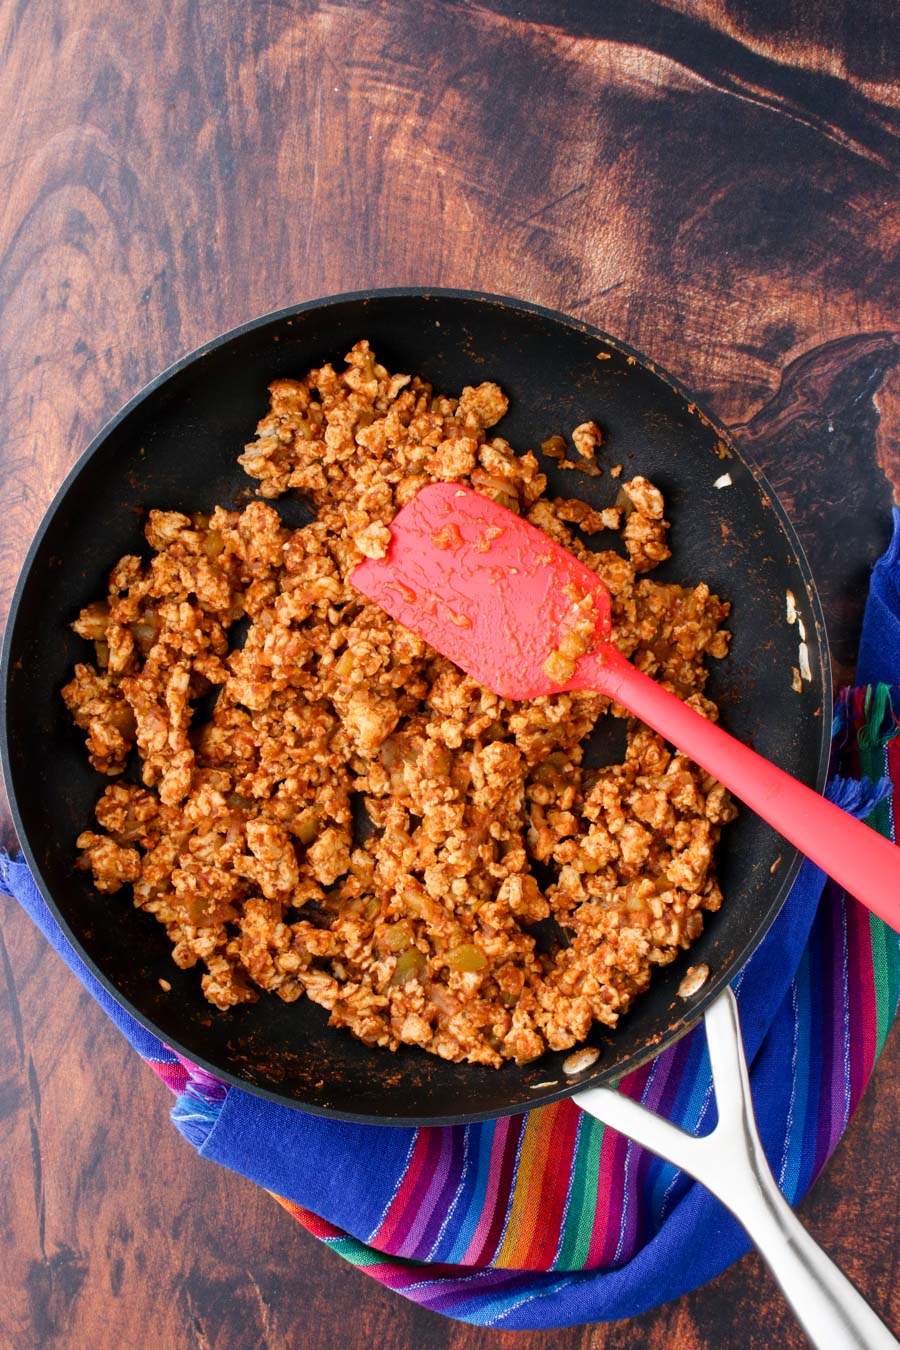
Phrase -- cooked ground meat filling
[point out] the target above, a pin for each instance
(355, 819)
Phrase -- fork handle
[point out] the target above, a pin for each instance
(859, 858)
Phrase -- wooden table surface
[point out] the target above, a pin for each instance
(712, 180)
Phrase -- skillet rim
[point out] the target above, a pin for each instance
(694, 1010)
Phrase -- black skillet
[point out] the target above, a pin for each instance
(175, 446)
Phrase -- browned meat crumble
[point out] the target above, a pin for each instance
(241, 839)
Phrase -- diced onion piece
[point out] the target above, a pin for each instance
(307, 827)
(693, 981)
(398, 937)
(466, 958)
(410, 965)
(580, 1060)
(805, 671)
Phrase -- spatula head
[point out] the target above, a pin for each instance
(494, 594)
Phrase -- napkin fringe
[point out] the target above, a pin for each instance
(199, 1104)
(858, 796)
(880, 725)
(194, 1117)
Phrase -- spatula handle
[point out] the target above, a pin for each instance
(862, 861)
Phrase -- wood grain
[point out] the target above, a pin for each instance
(715, 182)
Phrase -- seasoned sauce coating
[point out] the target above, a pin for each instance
(243, 837)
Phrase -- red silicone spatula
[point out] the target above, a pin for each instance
(503, 601)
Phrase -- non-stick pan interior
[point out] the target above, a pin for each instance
(176, 446)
